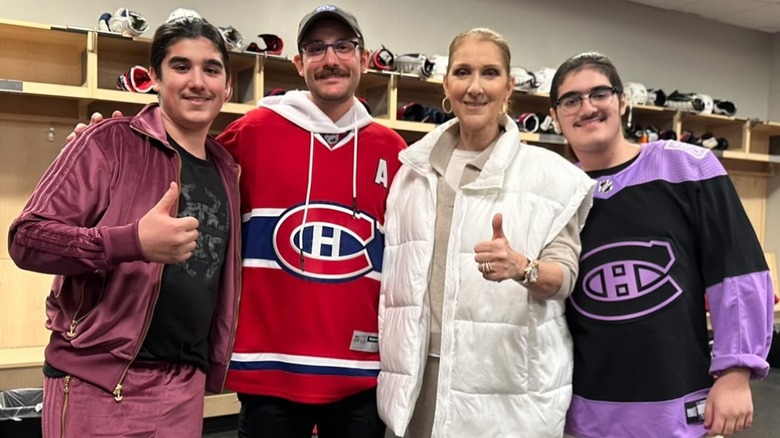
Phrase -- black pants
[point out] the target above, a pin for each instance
(272, 417)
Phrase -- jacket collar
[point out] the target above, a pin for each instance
(418, 155)
(149, 122)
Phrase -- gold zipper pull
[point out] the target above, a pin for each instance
(72, 332)
(66, 390)
(118, 392)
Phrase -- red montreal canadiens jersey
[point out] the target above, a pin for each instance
(307, 328)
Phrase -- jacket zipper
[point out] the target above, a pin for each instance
(66, 392)
(238, 289)
(118, 388)
(76, 319)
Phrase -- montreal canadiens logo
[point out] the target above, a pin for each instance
(332, 242)
(625, 281)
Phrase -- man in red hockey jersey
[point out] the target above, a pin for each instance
(315, 175)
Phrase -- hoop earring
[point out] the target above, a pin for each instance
(444, 105)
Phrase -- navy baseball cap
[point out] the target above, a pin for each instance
(329, 11)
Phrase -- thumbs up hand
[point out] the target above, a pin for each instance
(495, 258)
(498, 227)
(164, 237)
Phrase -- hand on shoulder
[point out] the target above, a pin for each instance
(94, 120)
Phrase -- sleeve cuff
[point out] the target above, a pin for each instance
(122, 244)
(758, 366)
(567, 285)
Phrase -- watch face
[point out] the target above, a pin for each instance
(531, 272)
(534, 275)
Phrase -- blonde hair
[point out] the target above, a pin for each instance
(483, 34)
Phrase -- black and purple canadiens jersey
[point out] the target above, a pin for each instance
(664, 230)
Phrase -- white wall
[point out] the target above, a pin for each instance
(772, 238)
(774, 89)
(661, 49)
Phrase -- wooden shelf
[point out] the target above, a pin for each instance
(711, 118)
(646, 116)
(761, 135)
(21, 368)
(237, 108)
(768, 128)
(39, 55)
(88, 70)
(553, 139)
(748, 156)
(218, 405)
(44, 89)
(125, 96)
(403, 125)
(24, 357)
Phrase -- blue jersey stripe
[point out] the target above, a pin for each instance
(302, 369)
(257, 240)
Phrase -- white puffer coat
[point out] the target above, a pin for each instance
(506, 357)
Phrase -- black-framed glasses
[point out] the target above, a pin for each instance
(599, 97)
(342, 48)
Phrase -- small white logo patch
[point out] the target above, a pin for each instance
(605, 186)
(365, 341)
(697, 152)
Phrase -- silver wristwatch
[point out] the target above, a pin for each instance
(531, 272)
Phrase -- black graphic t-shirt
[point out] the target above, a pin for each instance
(179, 330)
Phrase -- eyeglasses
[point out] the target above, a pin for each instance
(599, 97)
(342, 48)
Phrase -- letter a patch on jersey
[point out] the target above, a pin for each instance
(381, 177)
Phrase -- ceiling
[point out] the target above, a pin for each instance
(763, 15)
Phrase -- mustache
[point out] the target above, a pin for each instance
(331, 72)
(596, 116)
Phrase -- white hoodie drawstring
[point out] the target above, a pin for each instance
(354, 167)
(308, 198)
(309, 183)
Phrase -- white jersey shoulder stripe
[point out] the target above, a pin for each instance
(305, 360)
(262, 212)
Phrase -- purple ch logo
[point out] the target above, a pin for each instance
(627, 280)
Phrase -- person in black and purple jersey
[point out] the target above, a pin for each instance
(666, 229)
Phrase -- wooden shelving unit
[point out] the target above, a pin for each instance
(53, 77)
